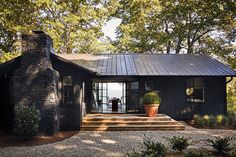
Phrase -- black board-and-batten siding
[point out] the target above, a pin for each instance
(173, 96)
(164, 77)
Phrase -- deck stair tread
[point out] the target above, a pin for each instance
(126, 122)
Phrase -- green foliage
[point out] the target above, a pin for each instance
(221, 145)
(151, 98)
(206, 120)
(27, 120)
(151, 149)
(162, 26)
(231, 117)
(232, 153)
(212, 121)
(154, 148)
(134, 153)
(216, 121)
(232, 62)
(195, 153)
(198, 121)
(178, 143)
(231, 95)
(221, 120)
(74, 25)
(4, 57)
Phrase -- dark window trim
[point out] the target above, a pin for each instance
(71, 87)
(203, 90)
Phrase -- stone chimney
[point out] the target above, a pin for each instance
(35, 81)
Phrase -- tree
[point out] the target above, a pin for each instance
(75, 26)
(15, 16)
(165, 26)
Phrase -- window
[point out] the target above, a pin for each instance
(68, 90)
(195, 90)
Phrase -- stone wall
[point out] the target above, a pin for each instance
(35, 82)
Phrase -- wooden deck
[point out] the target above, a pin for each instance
(129, 122)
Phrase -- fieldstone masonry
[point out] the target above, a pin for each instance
(35, 81)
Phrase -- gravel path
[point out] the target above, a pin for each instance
(102, 144)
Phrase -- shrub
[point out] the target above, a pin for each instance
(134, 153)
(231, 117)
(206, 120)
(212, 121)
(26, 121)
(155, 149)
(178, 143)
(151, 149)
(225, 121)
(151, 98)
(232, 154)
(221, 145)
(198, 121)
(193, 153)
(219, 119)
(234, 124)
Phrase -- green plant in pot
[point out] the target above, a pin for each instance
(151, 101)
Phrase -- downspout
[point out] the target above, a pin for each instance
(231, 78)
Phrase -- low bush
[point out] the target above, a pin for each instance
(134, 153)
(26, 121)
(198, 121)
(221, 145)
(219, 119)
(151, 149)
(212, 121)
(155, 149)
(215, 121)
(206, 120)
(234, 124)
(178, 143)
(231, 117)
(194, 153)
(232, 153)
(225, 121)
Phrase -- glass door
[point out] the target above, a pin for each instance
(132, 97)
(100, 96)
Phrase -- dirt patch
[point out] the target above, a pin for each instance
(7, 140)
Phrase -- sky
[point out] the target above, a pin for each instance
(110, 27)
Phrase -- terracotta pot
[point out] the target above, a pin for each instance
(151, 109)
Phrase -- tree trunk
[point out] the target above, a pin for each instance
(178, 46)
(168, 47)
(190, 48)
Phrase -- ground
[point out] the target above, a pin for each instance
(109, 143)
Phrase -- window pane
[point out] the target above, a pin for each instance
(195, 90)
(67, 81)
(198, 82)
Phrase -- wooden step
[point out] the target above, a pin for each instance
(128, 122)
(104, 119)
(132, 128)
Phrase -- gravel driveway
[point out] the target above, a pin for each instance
(102, 144)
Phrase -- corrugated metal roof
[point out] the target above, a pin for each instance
(151, 64)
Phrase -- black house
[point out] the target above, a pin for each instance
(188, 84)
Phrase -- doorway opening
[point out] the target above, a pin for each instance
(109, 97)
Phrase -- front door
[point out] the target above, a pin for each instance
(132, 97)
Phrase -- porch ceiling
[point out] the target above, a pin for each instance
(151, 64)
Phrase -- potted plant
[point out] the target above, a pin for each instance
(151, 101)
